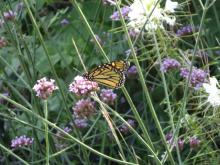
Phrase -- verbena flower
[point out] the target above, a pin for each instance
(186, 30)
(198, 76)
(64, 21)
(194, 142)
(132, 72)
(213, 91)
(124, 128)
(21, 141)
(141, 10)
(82, 86)
(169, 64)
(44, 88)
(108, 96)
(124, 11)
(3, 42)
(84, 108)
(9, 15)
(180, 144)
(81, 123)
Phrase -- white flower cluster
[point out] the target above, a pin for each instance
(143, 10)
(213, 91)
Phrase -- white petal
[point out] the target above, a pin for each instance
(170, 6)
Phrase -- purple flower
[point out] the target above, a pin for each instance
(21, 141)
(81, 123)
(132, 72)
(194, 142)
(9, 15)
(84, 108)
(134, 32)
(198, 76)
(64, 22)
(186, 30)
(169, 136)
(168, 64)
(124, 128)
(66, 129)
(180, 144)
(124, 11)
(82, 86)
(108, 96)
(44, 88)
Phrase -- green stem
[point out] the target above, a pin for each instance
(46, 134)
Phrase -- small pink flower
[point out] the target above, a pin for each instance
(108, 96)
(66, 129)
(84, 108)
(9, 15)
(82, 86)
(21, 141)
(44, 88)
(194, 142)
(132, 72)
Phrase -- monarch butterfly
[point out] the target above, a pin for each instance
(109, 74)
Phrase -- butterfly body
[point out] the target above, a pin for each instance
(110, 74)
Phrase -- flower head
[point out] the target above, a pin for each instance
(194, 142)
(198, 76)
(168, 64)
(213, 91)
(124, 11)
(21, 141)
(80, 123)
(82, 86)
(64, 22)
(108, 96)
(141, 11)
(132, 72)
(9, 15)
(84, 108)
(44, 88)
(186, 30)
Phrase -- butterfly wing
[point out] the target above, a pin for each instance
(109, 74)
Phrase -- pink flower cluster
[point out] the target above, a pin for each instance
(9, 15)
(44, 88)
(21, 141)
(82, 86)
(84, 108)
(108, 96)
(124, 128)
(80, 123)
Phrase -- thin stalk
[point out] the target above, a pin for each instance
(46, 134)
